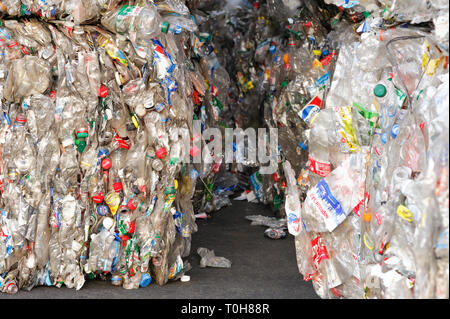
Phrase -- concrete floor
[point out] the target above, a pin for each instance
(261, 267)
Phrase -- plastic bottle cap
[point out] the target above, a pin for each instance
(205, 36)
(194, 151)
(102, 210)
(380, 90)
(302, 146)
(82, 133)
(185, 278)
(81, 146)
(108, 223)
(275, 177)
(103, 91)
(103, 152)
(106, 163)
(161, 153)
(165, 27)
(98, 198)
(145, 280)
(131, 204)
(117, 186)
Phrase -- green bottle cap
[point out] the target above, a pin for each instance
(165, 27)
(90, 276)
(366, 14)
(81, 146)
(380, 90)
(205, 36)
(82, 135)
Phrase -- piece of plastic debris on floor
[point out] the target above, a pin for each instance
(209, 259)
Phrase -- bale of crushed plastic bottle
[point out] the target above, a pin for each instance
(97, 100)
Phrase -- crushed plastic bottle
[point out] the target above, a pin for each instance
(209, 259)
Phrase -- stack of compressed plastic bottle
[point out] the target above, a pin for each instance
(370, 208)
(97, 97)
(359, 93)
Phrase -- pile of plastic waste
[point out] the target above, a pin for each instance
(369, 208)
(358, 91)
(97, 97)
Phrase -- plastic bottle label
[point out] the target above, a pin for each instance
(346, 130)
(311, 110)
(321, 169)
(319, 250)
(328, 205)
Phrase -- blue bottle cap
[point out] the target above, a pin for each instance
(145, 280)
(102, 210)
(303, 146)
(384, 138)
(394, 130)
(103, 152)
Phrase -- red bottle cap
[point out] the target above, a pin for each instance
(194, 151)
(275, 177)
(161, 153)
(53, 94)
(103, 91)
(124, 239)
(283, 184)
(131, 204)
(98, 198)
(117, 186)
(106, 163)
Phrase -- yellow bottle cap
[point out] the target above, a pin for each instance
(135, 122)
(405, 213)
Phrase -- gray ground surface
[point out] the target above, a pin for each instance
(262, 267)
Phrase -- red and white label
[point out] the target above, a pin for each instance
(321, 169)
(319, 250)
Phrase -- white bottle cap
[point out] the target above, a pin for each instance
(185, 278)
(108, 222)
